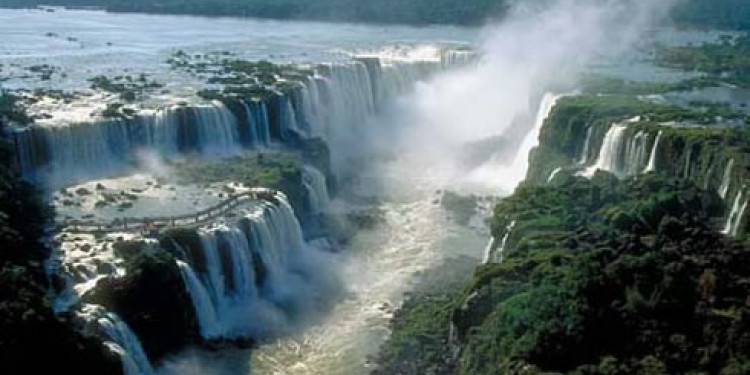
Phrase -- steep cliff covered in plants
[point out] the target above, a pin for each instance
(615, 256)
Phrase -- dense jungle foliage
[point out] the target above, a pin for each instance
(599, 277)
(29, 330)
(724, 14)
(727, 61)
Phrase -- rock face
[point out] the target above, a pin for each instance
(577, 139)
(623, 270)
(32, 337)
(155, 296)
(152, 300)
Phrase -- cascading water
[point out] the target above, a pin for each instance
(739, 218)
(316, 188)
(635, 153)
(341, 98)
(736, 215)
(688, 159)
(288, 119)
(258, 126)
(338, 99)
(609, 154)
(241, 280)
(120, 339)
(554, 174)
(724, 188)
(585, 154)
(503, 175)
(494, 251)
(58, 154)
(625, 156)
(532, 139)
(651, 167)
(489, 250)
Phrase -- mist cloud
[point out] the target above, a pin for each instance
(538, 47)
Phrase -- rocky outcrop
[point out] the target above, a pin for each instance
(151, 298)
(578, 138)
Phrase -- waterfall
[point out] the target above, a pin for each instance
(258, 126)
(453, 58)
(126, 344)
(734, 220)
(59, 154)
(554, 174)
(491, 246)
(118, 338)
(709, 173)
(651, 167)
(738, 219)
(316, 188)
(635, 154)
(609, 154)
(532, 139)
(288, 119)
(504, 241)
(333, 103)
(585, 154)
(688, 159)
(340, 98)
(724, 188)
(313, 106)
(240, 268)
(217, 130)
(205, 311)
(349, 98)
(494, 251)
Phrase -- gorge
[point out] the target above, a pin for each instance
(350, 199)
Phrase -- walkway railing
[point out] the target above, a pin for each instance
(147, 224)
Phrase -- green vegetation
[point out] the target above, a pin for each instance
(728, 61)
(608, 277)
(127, 87)
(151, 299)
(418, 12)
(599, 277)
(240, 79)
(11, 110)
(722, 14)
(118, 110)
(29, 329)
(276, 170)
(598, 84)
(565, 131)
(419, 342)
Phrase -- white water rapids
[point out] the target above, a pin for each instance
(501, 96)
(378, 268)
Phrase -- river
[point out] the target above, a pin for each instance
(412, 153)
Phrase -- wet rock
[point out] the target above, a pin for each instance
(163, 318)
(105, 268)
(83, 191)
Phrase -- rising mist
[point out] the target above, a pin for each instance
(537, 48)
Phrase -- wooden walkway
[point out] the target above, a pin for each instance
(149, 224)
